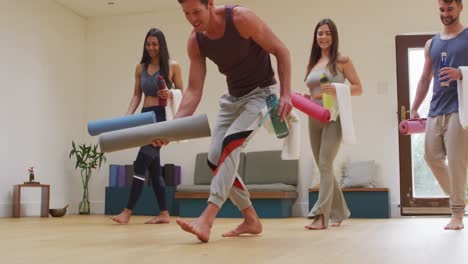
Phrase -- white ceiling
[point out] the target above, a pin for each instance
(97, 8)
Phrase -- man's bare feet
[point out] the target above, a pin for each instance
(317, 224)
(251, 226)
(162, 218)
(198, 227)
(456, 222)
(123, 217)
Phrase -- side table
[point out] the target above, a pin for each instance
(45, 198)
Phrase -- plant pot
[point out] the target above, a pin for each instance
(84, 208)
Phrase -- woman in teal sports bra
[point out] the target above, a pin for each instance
(155, 62)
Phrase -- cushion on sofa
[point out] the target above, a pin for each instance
(193, 188)
(266, 167)
(203, 174)
(359, 174)
(274, 187)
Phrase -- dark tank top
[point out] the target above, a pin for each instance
(246, 65)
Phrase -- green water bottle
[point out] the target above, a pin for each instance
(327, 100)
(281, 128)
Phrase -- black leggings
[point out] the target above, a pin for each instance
(148, 159)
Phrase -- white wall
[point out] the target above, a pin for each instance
(43, 84)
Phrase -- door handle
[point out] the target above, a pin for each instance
(403, 113)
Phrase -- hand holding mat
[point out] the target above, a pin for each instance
(412, 126)
(311, 108)
(101, 126)
(172, 130)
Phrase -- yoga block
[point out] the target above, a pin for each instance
(116, 200)
(362, 202)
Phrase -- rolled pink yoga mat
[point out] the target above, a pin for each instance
(310, 108)
(412, 126)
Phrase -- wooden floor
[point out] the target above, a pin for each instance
(95, 239)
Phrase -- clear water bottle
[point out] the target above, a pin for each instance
(281, 128)
(443, 63)
(161, 86)
(327, 100)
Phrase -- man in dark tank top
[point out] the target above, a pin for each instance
(240, 44)
(445, 137)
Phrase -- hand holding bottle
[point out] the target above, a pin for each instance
(162, 91)
(281, 128)
(328, 92)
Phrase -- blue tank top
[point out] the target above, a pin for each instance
(445, 99)
(149, 83)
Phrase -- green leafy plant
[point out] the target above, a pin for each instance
(88, 158)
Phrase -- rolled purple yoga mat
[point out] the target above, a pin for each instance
(310, 108)
(122, 177)
(412, 126)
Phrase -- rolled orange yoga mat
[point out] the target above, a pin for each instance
(310, 108)
(412, 126)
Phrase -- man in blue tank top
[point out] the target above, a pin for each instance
(240, 44)
(445, 137)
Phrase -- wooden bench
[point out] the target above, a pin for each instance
(267, 204)
(362, 202)
(271, 181)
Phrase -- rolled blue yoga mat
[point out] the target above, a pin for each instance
(105, 125)
(173, 130)
(113, 175)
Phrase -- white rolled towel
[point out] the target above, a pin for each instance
(343, 97)
(463, 98)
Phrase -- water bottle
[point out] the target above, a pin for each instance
(327, 100)
(443, 63)
(161, 86)
(281, 128)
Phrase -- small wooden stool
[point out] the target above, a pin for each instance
(45, 198)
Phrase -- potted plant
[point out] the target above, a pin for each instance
(88, 158)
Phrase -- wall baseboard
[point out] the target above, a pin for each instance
(34, 208)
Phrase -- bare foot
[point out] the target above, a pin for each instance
(336, 223)
(251, 226)
(456, 223)
(317, 224)
(162, 218)
(197, 227)
(123, 217)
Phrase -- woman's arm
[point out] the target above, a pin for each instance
(176, 77)
(351, 75)
(136, 98)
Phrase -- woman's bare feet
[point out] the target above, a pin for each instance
(123, 217)
(317, 224)
(336, 223)
(456, 222)
(198, 227)
(162, 218)
(250, 226)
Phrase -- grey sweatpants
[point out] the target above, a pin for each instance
(445, 138)
(325, 140)
(237, 120)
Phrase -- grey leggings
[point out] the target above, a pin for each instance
(325, 140)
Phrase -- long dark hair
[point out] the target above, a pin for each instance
(163, 54)
(316, 53)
